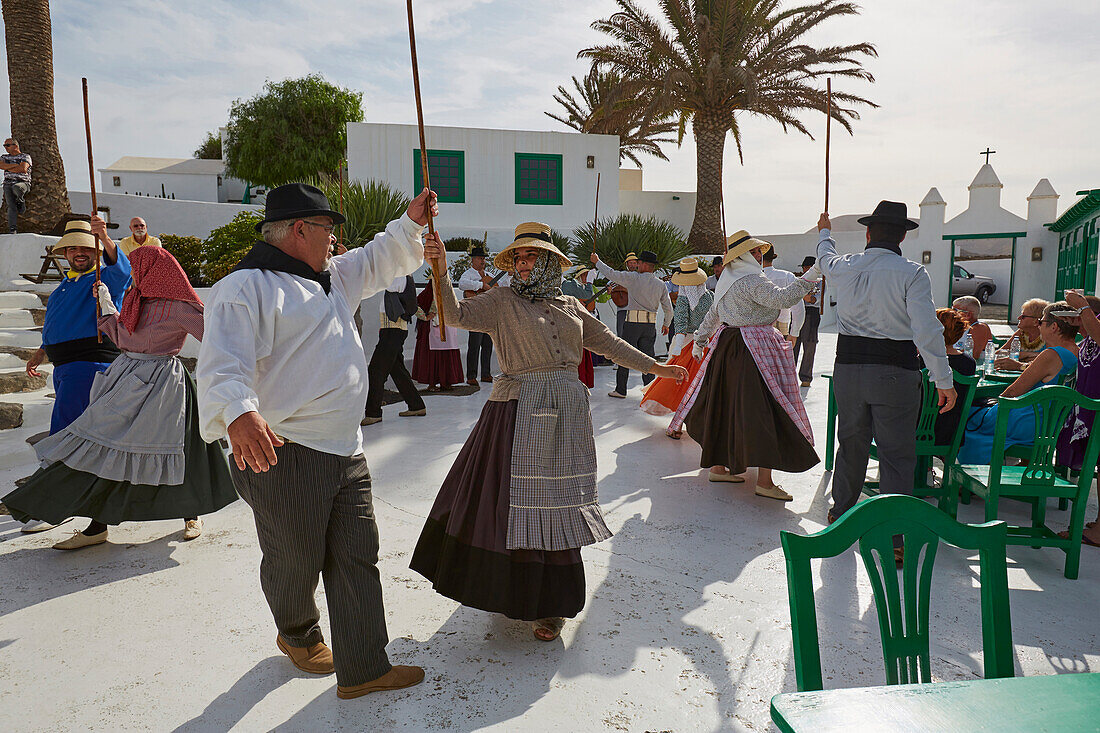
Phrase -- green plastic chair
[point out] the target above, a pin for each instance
(1040, 479)
(927, 449)
(873, 524)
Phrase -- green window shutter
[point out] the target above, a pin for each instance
(538, 179)
(447, 172)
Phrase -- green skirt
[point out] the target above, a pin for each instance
(57, 492)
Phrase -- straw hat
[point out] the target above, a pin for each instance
(689, 273)
(529, 234)
(739, 243)
(78, 233)
(630, 256)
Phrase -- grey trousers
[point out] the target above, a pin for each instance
(807, 344)
(13, 197)
(881, 402)
(314, 516)
(643, 337)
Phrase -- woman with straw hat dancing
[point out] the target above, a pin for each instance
(663, 396)
(748, 410)
(520, 500)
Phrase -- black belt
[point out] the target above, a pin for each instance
(866, 350)
(86, 349)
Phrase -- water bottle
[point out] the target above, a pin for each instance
(1014, 349)
(988, 356)
(966, 344)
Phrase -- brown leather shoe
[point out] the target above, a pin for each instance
(399, 677)
(316, 659)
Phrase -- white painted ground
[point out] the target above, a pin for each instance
(686, 626)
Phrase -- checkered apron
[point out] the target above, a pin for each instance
(692, 392)
(552, 500)
(775, 360)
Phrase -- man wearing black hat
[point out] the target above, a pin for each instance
(886, 320)
(282, 373)
(807, 335)
(646, 293)
(474, 282)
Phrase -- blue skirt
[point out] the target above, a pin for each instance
(977, 447)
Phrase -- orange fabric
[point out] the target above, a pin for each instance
(663, 395)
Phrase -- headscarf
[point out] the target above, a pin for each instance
(743, 266)
(693, 293)
(544, 280)
(156, 275)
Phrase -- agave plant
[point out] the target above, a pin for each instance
(616, 237)
(369, 207)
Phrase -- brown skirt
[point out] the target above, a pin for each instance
(738, 422)
(463, 547)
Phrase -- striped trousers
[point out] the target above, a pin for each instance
(314, 516)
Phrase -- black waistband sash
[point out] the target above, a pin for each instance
(86, 349)
(865, 350)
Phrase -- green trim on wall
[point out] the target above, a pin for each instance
(546, 201)
(1080, 210)
(456, 160)
(1002, 235)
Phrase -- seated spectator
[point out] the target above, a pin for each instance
(954, 325)
(1071, 443)
(971, 310)
(1027, 334)
(1055, 361)
(139, 237)
(17, 180)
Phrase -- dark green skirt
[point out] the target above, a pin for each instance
(57, 492)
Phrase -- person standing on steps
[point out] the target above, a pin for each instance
(17, 181)
(647, 293)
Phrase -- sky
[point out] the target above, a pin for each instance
(951, 78)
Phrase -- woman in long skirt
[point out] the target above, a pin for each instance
(748, 410)
(135, 454)
(520, 500)
(663, 396)
(436, 363)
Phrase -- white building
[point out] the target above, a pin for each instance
(190, 179)
(489, 181)
(1019, 253)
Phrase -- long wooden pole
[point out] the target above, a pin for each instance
(828, 134)
(341, 174)
(424, 169)
(596, 216)
(95, 207)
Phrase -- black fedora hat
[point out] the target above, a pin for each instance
(297, 201)
(647, 256)
(809, 261)
(889, 212)
(478, 252)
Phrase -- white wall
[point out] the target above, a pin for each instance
(385, 152)
(164, 216)
(677, 207)
(187, 186)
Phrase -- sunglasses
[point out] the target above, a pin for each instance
(9, 145)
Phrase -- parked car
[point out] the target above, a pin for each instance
(967, 283)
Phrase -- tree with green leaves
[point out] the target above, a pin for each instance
(709, 61)
(615, 237)
(294, 130)
(369, 206)
(608, 104)
(211, 148)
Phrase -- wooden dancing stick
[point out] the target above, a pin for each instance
(828, 134)
(341, 174)
(95, 208)
(424, 168)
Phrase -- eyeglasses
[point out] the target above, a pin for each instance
(327, 227)
(1022, 316)
(9, 145)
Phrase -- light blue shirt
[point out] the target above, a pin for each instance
(881, 295)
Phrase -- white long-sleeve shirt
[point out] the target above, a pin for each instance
(794, 316)
(882, 295)
(276, 344)
(471, 280)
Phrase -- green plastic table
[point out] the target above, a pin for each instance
(1001, 376)
(1057, 703)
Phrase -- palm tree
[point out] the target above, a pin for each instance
(607, 104)
(30, 81)
(712, 60)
